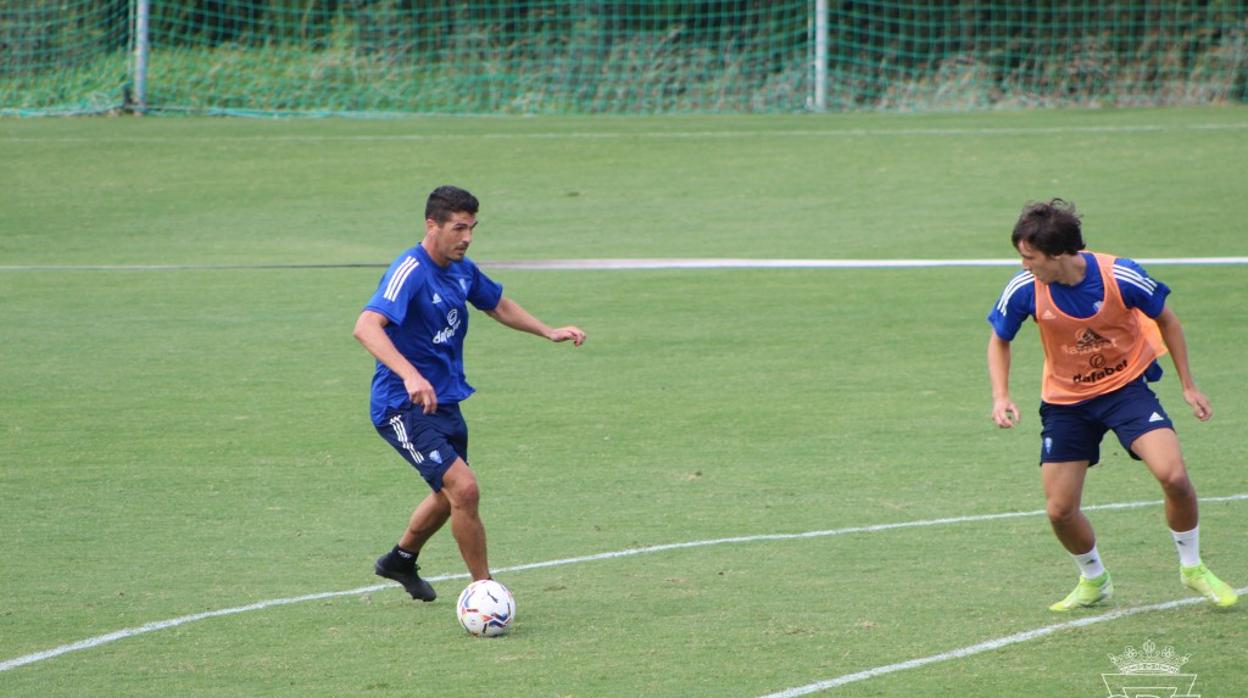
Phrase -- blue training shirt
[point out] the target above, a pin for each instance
(1018, 301)
(428, 313)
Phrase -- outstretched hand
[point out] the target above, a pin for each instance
(563, 334)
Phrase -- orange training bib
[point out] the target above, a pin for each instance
(1087, 357)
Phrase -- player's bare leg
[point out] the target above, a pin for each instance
(1161, 452)
(1063, 492)
(429, 516)
(459, 484)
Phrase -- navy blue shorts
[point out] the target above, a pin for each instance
(429, 442)
(1074, 432)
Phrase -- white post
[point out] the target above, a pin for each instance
(821, 55)
(142, 12)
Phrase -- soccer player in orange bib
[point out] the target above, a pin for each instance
(1103, 324)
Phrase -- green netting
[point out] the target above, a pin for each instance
(481, 57)
(365, 57)
(974, 55)
(63, 57)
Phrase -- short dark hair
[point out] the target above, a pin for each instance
(1052, 227)
(446, 200)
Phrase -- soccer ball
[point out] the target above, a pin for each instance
(485, 608)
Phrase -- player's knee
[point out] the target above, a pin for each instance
(1176, 483)
(1062, 511)
(465, 495)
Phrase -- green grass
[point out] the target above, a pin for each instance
(183, 441)
(222, 191)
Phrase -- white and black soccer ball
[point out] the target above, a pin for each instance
(485, 608)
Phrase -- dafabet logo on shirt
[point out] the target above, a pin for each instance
(452, 326)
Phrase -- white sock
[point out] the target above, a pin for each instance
(1089, 564)
(1188, 544)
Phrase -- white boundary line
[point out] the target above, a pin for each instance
(985, 646)
(632, 264)
(712, 263)
(625, 134)
(260, 605)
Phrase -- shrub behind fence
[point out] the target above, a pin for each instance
(370, 57)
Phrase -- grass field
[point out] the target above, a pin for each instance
(186, 431)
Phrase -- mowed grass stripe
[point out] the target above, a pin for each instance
(99, 640)
(986, 646)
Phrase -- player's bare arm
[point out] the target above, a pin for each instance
(1004, 411)
(509, 313)
(1172, 333)
(370, 331)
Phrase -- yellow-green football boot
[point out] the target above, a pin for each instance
(1202, 581)
(1087, 592)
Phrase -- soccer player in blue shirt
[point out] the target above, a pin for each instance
(414, 325)
(1103, 322)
